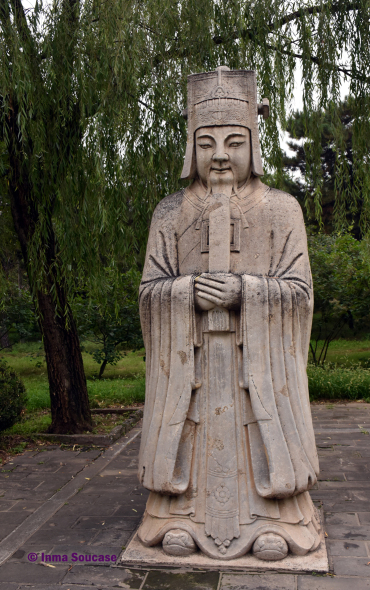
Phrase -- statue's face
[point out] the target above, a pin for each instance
(223, 151)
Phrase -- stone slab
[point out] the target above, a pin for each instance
(351, 566)
(99, 440)
(20, 535)
(258, 582)
(158, 580)
(31, 573)
(102, 577)
(137, 555)
(347, 548)
(332, 583)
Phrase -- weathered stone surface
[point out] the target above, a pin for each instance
(31, 573)
(228, 450)
(104, 577)
(111, 522)
(258, 582)
(360, 533)
(351, 566)
(84, 503)
(181, 581)
(332, 583)
(347, 548)
(112, 537)
(137, 555)
(342, 518)
(30, 527)
(53, 536)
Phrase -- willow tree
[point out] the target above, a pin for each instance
(92, 137)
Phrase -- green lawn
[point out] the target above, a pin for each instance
(335, 382)
(345, 352)
(122, 384)
(346, 376)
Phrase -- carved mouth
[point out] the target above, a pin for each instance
(220, 169)
(176, 542)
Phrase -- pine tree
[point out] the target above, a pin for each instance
(296, 168)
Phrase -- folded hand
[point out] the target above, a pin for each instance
(218, 290)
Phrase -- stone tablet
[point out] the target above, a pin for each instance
(228, 449)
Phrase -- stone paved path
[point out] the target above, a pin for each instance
(101, 517)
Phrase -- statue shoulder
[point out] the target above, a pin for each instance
(168, 206)
(283, 202)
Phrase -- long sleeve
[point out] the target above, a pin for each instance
(276, 320)
(166, 311)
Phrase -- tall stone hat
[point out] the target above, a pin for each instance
(223, 97)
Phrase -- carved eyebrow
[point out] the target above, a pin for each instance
(205, 137)
(235, 135)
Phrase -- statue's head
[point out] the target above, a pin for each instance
(222, 125)
(223, 151)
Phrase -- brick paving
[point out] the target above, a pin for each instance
(102, 516)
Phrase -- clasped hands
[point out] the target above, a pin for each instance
(218, 290)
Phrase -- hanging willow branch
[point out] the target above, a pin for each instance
(99, 87)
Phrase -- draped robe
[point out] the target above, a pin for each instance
(228, 448)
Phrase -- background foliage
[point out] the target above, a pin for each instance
(341, 280)
(91, 135)
(110, 321)
(12, 396)
(100, 86)
(295, 168)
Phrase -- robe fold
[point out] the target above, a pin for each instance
(223, 489)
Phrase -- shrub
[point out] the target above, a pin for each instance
(333, 382)
(13, 396)
(341, 282)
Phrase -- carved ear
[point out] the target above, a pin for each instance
(190, 164)
(264, 108)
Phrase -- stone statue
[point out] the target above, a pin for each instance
(228, 449)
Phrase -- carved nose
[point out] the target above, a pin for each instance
(220, 157)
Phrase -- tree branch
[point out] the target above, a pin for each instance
(317, 61)
(313, 58)
(22, 26)
(318, 9)
(5, 18)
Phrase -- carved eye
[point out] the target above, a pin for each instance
(235, 144)
(205, 146)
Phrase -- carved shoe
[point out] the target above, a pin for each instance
(270, 547)
(178, 542)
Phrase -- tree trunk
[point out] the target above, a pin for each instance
(68, 390)
(4, 339)
(70, 410)
(20, 276)
(102, 368)
(69, 400)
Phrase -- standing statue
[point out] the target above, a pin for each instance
(228, 449)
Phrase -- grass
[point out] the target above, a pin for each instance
(33, 422)
(347, 353)
(336, 382)
(346, 376)
(38, 422)
(346, 373)
(122, 385)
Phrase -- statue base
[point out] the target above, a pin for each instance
(138, 556)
